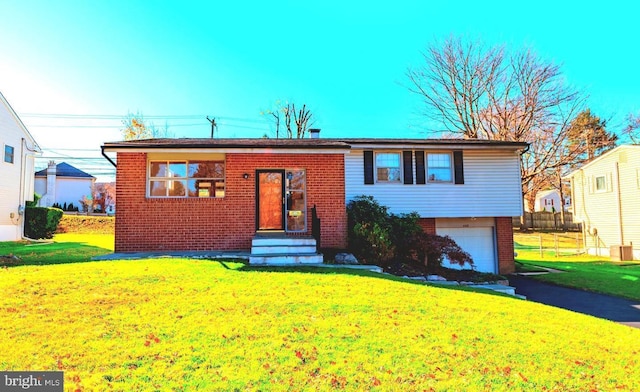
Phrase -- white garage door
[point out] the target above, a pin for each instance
(478, 242)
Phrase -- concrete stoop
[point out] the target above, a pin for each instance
(280, 250)
(285, 259)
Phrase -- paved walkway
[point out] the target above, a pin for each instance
(616, 309)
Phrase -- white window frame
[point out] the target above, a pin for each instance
(218, 193)
(427, 167)
(12, 155)
(375, 161)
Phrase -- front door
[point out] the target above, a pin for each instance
(270, 203)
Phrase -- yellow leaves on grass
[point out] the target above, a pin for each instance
(187, 325)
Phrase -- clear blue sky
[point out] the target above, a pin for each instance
(231, 60)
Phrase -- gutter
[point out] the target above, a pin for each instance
(23, 203)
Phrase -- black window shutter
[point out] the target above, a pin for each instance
(458, 167)
(407, 164)
(420, 173)
(368, 167)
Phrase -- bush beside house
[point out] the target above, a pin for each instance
(40, 222)
(378, 237)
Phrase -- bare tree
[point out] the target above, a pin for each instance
(296, 121)
(135, 127)
(104, 194)
(483, 92)
(632, 130)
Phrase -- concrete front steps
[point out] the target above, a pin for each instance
(278, 249)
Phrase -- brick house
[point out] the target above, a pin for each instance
(227, 194)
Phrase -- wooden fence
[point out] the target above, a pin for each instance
(547, 221)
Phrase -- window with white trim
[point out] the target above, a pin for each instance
(198, 178)
(439, 168)
(9, 153)
(388, 167)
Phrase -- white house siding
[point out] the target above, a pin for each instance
(14, 189)
(491, 187)
(67, 189)
(614, 222)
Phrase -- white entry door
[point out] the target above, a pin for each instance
(478, 242)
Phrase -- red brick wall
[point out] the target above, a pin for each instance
(154, 224)
(428, 225)
(504, 241)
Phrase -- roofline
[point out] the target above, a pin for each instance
(347, 144)
(20, 123)
(447, 142)
(226, 149)
(586, 166)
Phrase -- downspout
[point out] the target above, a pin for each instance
(107, 157)
(21, 198)
(616, 171)
(523, 222)
(22, 201)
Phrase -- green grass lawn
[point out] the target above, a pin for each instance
(583, 271)
(590, 273)
(65, 248)
(176, 324)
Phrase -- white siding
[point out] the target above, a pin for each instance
(615, 222)
(11, 194)
(491, 188)
(71, 190)
(67, 189)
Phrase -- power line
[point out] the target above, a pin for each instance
(145, 117)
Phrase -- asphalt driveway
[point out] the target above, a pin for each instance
(616, 309)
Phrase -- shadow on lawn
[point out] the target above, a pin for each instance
(348, 271)
(50, 253)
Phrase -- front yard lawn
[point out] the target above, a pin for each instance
(177, 324)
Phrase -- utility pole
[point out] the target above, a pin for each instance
(213, 125)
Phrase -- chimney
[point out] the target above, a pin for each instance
(315, 133)
(51, 185)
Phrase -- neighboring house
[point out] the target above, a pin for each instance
(225, 194)
(549, 201)
(63, 184)
(606, 199)
(16, 172)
